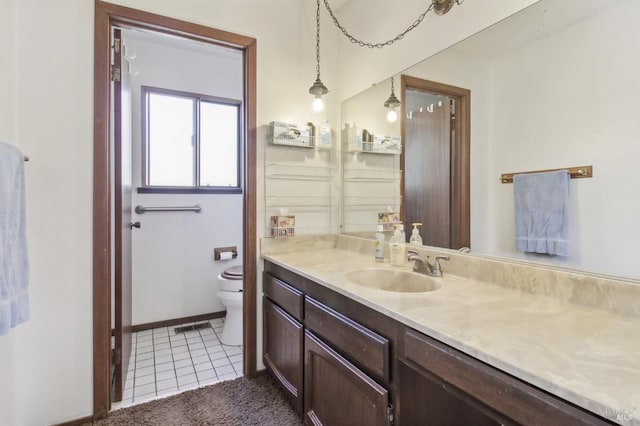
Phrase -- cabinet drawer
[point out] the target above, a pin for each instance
(363, 347)
(285, 296)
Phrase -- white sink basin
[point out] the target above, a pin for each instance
(394, 280)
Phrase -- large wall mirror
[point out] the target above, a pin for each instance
(553, 86)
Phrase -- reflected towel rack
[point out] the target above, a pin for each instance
(197, 209)
(574, 173)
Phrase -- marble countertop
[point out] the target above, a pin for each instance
(588, 357)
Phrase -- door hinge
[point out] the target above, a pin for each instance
(116, 356)
(115, 73)
(390, 417)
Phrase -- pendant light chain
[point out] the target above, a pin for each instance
(388, 42)
(318, 39)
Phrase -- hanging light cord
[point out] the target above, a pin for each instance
(382, 44)
(318, 39)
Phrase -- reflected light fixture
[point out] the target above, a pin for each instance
(392, 103)
(318, 88)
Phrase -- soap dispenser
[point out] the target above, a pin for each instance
(416, 239)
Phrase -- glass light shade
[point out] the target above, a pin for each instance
(392, 115)
(318, 104)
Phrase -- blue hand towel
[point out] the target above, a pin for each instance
(14, 264)
(542, 212)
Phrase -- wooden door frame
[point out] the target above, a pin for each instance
(462, 194)
(106, 16)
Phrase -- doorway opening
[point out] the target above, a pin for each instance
(436, 161)
(108, 226)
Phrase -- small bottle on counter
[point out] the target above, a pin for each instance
(397, 248)
(380, 244)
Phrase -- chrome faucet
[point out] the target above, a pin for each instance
(421, 264)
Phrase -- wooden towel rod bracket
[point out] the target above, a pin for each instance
(574, 172)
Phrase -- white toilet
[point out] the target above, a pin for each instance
(230, 295)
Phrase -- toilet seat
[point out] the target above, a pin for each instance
(233, 273)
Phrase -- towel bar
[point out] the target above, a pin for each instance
(574, 172)
(197, 209)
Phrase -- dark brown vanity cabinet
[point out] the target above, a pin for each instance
(332, 368)
(343, 363)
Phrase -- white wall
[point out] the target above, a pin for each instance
(46, 363)
(8, 51)
(174, 273)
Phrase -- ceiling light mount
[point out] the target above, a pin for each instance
(441, 7)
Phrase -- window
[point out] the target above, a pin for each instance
(191, 143)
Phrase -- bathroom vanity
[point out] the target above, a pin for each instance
(465, 352)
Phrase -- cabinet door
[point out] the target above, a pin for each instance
(338, 393)
(440, 385)
(282, 350)
(428, 400)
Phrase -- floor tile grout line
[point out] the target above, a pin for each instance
(133, 381)
(155, 379)
(175, 373)
(208, 354)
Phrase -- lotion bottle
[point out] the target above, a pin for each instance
(380, 244)
(396, 248)
(416, 239)
(403, 244)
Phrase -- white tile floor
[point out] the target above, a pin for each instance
(164, 363)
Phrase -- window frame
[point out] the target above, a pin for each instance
(197, 99)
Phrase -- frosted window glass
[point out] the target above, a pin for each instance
(171, 140)
(218, 144)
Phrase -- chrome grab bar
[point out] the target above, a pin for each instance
(197, 209)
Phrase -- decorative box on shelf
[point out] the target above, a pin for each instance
(290, 134)
(388, 220)
(283, 226)
(362, 141)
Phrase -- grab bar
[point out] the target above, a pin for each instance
(197, 209)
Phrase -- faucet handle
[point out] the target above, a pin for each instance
(437, 270)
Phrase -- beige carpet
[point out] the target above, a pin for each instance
(237, 402)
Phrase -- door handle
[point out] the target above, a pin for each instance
(134, 225)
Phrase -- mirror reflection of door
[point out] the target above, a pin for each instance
(435, 163)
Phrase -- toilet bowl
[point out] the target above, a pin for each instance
(230, 296)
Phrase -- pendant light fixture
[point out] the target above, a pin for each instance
(392, 103)
(318, 88)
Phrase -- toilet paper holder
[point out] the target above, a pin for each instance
(217, 252)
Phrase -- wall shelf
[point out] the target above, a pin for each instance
(298, 181)
(298, 171)
(371, 174)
